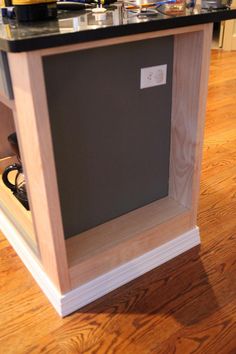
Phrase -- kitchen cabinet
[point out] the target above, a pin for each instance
(78, 246)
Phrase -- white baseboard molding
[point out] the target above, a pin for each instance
(96, 288)
(119, 276)
(30, 261)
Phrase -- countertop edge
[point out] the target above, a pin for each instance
(61, 39)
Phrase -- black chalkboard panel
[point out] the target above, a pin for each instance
(111, 139)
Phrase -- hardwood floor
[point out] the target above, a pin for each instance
(186, 306)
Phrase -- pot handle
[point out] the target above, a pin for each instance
(14, 167)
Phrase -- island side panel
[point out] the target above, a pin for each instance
(111, 138)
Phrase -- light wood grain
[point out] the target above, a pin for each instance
(187, 305)
(32, 123)
(17, 213)
(229, 33)
(7, 102)
(6, 128)
(110, 245)
(190, 79)
(28, 83)
(122, 228)
(119, 40)
(6, 162)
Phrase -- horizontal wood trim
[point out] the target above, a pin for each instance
(6, 162)
(119, 40)
(100, 286)
(109, 245)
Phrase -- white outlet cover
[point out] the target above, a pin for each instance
(153, 76)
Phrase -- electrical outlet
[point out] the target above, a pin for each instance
(153, 76)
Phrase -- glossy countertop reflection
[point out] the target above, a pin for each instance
(81, 26)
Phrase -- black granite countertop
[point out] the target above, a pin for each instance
(82, 26)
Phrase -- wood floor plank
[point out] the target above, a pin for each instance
(188, 305)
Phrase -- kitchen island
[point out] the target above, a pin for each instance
(109, 113)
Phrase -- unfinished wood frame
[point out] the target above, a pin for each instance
(97, 251)
(114, 243)
(32, 125)
(190, 84)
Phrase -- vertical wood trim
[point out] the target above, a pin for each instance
(190, 82)
(202, 100)
(229, 38)
(228, 35)
(34, 135)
